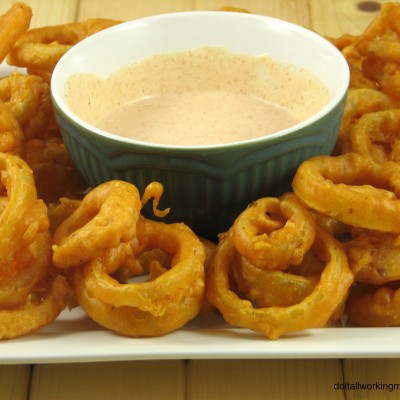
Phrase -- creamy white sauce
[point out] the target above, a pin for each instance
(197, 118)
(200, 97)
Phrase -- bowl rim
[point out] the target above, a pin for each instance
(341, 94)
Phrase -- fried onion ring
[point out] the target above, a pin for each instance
(274, 233)
(313, 311)
(111, 210)
(55, 174)
(374, 257)
(172, 297)
(373, 306)
(42, 47)
(41, 308)
(173, 286)
(377, 135)
(17, 284)
(59, 212)
(25, 241)
(269, 288)
(360, 101)
(379, 50)
(13, 24)
(28, 98)
(353, 189)
(11, 135)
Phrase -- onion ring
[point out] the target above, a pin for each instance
(380, 51)
(11, 135)
(16, 285)
(274, 233)
(43, 47)
(173, 286)
(28, 98)
(377, 135)
(353, 189)
(111, 210)
(360, 101)
(55, 174)
(25, 241)
(59, 212)
(166, 303)
(13, 24)
(269, 288)
(374, 257)
(373, 306)
(313, 311)
(39, 310)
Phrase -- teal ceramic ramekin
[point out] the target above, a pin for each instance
(204, 186)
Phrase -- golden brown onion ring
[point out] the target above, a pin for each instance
(106, 216)
(24, 224)
(173, 286)
(39, 310)
(386, 23)
(274, 233)
(360, 101)
(59, 212)
(374, 257)
(374, 306)
(172, 297)
(16, 286)
(11, 135)
(13, 24)
(28, 98)
(313, 311)
(131, 321)
(43, 47)
(353, 189)
(377, 135)
(269, 288)
(55, 174)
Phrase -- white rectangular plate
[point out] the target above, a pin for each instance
(73, 337)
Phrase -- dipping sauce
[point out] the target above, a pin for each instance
(202, 97)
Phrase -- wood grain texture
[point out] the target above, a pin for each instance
(293, 10)
(149, 380)
(14, 382)
(264, 379)
(333, 18)
(47, 12)
(372, 379)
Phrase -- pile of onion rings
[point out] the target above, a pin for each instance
(101, 253)
(273, 297)
(365, 169)
(32, 292)
(27, 122)
(35, 169)
(327, 252)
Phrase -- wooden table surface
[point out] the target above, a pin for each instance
(204, 379)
